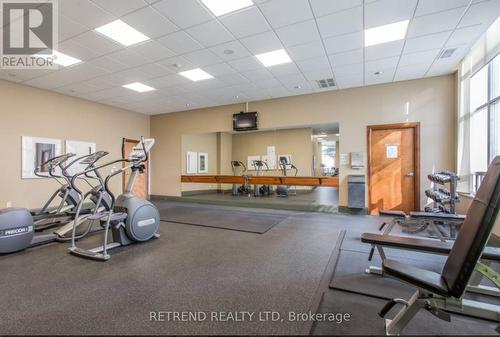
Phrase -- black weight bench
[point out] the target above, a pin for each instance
(438, 292)
(415, 222)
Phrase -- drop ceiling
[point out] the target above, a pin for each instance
(324, 39)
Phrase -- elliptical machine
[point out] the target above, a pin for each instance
(245, 188)
(131, 218)
(282, 190)
(18, 225)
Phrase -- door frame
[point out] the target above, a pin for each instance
(124, 183)
(416, 153)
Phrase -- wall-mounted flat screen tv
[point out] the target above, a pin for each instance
(245, 121)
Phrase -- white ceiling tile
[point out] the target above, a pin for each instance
(434, 23)
(210, 33)
(291, 80)
(71, 48)
(152, 50)
(296, 11)
(384, 50)
(305, 51)
(224, 50)
(98, 83)
(150, 22)
(465, 35)
(202, 58)
(96, 42)
(69, 28)
(342, 43)
(348, 21)
(284, 70)
(426, 42)
(384, 12)
(481, 13)
(19, 75)
(185, 13)
(349, 70)
(268, 83)
(128, 57)
(154, 70)
(324, 7)
(219, 69)
(313, 64)
(411, 72)
(345, 82)
(262, 43)
(381, 65)
(318, 75)
(431, 6)
(109, 64)
(120, 7)
(246, 22)
(247, 63)
(85, 13)
(298, 33)
(180, 42)
(451, 62)
(419, 57)
(177, 64)
(231, 79)
(126, 76)
(167, 81)
(346, 58)
(77, 89)
(385, 77)
(279, 91)
(257, 75)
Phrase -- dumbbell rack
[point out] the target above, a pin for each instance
(444, 199)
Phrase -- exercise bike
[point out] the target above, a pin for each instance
(130, 218)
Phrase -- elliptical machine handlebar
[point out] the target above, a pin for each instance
(52, 163)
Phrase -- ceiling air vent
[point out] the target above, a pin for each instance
(326, 83)
(447, 53)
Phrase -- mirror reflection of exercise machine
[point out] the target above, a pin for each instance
(261, 190)
(245, 188)
(282, 190)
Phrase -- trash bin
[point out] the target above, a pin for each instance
(356, 191)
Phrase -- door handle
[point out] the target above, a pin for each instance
(410, 174)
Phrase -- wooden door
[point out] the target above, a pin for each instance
(393, 167)
(141, 186)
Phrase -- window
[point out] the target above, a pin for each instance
(485, 115)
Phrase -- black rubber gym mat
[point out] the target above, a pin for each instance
(236, 220)
(364, 319)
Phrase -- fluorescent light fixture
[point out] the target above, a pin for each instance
(60, 58)
(273, 58)
(139, 87)
(386, 33)
(221, 7)
(122, 33)
(196, 74)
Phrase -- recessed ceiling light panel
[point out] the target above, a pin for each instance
(196, 74)
(221, 7)
(139, 87)
(122, 33)
(386, 33)
(273, 58)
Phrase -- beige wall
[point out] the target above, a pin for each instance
(203, 142)
(296, 142)
(27, 111)
(431, 101)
